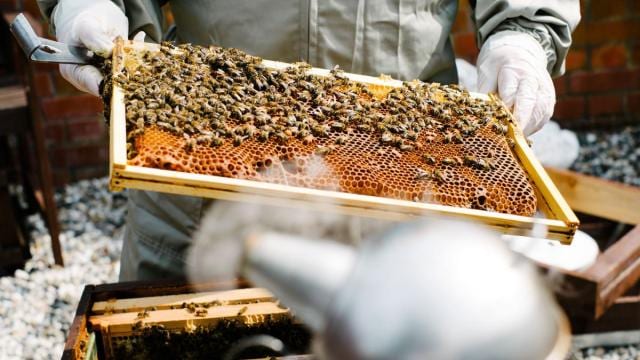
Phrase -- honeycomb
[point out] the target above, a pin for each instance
(219, 112)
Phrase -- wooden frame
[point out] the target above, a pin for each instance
(589, 294)
(559, 219)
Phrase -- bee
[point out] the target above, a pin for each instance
(281, 137)
(336, 125)
(422, 175)
(135, 133)
(263, 135)
(140, 123)
(449, 162)
(323, 150)
(412, 135)
(511, 143)
(320, 130)
(190, 144)
(470, 160)
(201, 312)
(499, 129)
(137, 326)
(340, 140)
(242, 311)
(143, 314)
(448, 137)
(482, 164)
(429, 159)
(386, 137)
(237, 140)
(439, 175)
(216, 141)
(191, 308)
(406, 147)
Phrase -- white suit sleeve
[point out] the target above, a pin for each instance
(550, 22)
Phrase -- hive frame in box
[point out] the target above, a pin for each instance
(559, 219)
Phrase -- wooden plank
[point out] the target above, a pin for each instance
(599, 197)
(542, 181)
(561, 222)
(12, 97)
(351, 204)
(168, 301)
(122, 324)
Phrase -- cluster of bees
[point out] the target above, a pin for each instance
(213, 95)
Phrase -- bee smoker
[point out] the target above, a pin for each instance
(438, 290)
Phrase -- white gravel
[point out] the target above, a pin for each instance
(610, 155)
(38, 303)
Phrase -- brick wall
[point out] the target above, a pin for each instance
(75, 131)
(601, 87)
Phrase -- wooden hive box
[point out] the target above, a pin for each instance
(553, 211)
(110, 316)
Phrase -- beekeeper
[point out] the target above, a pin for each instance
(522, 44)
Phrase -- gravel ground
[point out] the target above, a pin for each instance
(629, 352)
(614, 156)
(37, 304)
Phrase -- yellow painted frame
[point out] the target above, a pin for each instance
(559, 219)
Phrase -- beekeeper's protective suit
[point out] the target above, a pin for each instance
(522, 43)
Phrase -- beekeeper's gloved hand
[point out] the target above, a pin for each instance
(514, 64)
(93, 24)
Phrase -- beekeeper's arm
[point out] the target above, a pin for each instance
(522, 44)
(95, 24)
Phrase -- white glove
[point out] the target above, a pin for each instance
(515, 65)
(94, 24)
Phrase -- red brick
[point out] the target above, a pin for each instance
(614, 30)
(606, 104)
(42, 84)
(31, 6)
(86, 155)
(61, 107)
(601, 9)
(8, 5)
(464, 46)
(560, 85)
(86, 128)
(569, 108)
(90, 172)
(463, 22)
(45, 67)
(634, 7)
(609, 56)
(633, 103)
(58, 156)
(60, 177)
(635, 54)
(63, 87)
(604, 81)
(576, 60)
(54, 132)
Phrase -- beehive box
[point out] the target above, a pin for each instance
(395, 191)
(176, 320)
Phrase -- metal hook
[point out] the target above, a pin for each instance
(45, 50)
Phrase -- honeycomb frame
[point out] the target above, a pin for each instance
(557, 216)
